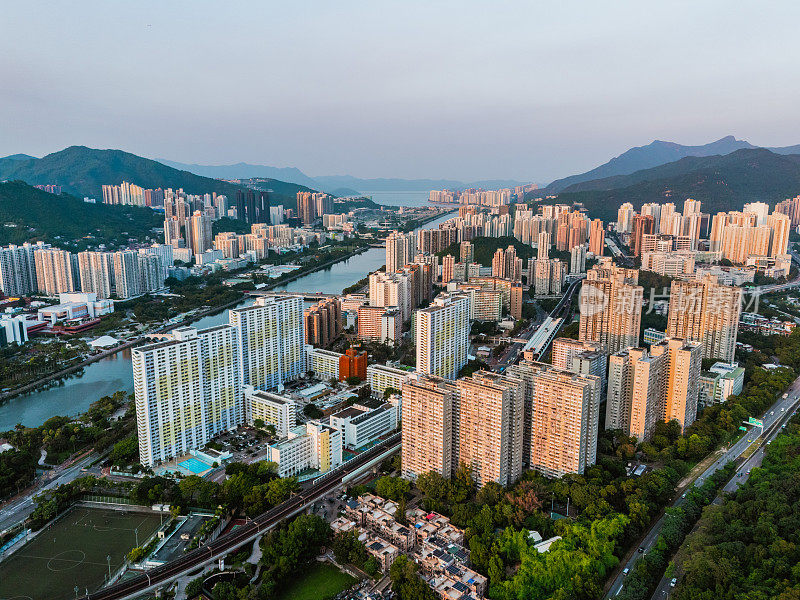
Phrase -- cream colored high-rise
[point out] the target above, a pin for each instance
(54, 273)
(564, 419)
(781, 226)
(681, 381)
(597, 237)
(96, 271)
(400, 250)
(706, 312)
(442, 335)
(488, 420)
(635, 397)
(625, 218)
(611, 306)
(427, 434)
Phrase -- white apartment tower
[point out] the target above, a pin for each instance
(54, 272)
(96, 271)
(442, 335)
(187, 390)
(271, 341)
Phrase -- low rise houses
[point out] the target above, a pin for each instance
(383, 377)
(429, 539)
(764, 326)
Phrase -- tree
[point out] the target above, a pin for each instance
(394, 488)
(353, 380)
(259, 423)
(312, 412)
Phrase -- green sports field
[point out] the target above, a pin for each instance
(72, 552)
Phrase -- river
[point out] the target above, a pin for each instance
(115, 373)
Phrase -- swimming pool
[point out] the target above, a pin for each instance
(194, 465)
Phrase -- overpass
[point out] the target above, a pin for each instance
(247, 533)
(540, 341)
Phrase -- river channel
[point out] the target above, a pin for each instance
(114, 373)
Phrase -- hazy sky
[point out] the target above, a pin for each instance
(467, 90)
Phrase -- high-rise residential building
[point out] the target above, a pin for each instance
(597, 237)
(96, 270)
(707, 312)
(791, 208)
(543, 245)
(760, 209)
(187, 390)
(577, 259)
(228, 243)
(271, 342)
(467, 251)
(611, 306)
(781, 226)
(400, 250)
(323, 322)
(667, 218)
(200, 239)
(652, 209)
(127, 280)
(691, 206)
(681, 381)
(442, 335)
(672, 264)
(54, 272)
(562, 413)
(276, 214)
(488, 420)
(642, 224)
(515, 301)
(625, 218)
(18, 269)
(448, 268)
(635, 397)
(427, 433)
(547, 276)
(380, 324)
(392, 289)
(583, 358)
(151, 272)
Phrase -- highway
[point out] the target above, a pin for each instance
(245, 534)
(773, 418)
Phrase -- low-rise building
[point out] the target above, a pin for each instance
(360, 425)
(383, 377)
(273, 409)
(324, 363)
(313, 445)
(719, 382)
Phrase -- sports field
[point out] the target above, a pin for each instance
(72, 552)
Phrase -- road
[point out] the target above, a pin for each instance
(19, 509)
(246, 533)
(773, 418)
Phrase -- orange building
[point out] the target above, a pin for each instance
(353, 363)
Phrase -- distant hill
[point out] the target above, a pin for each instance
(655, 154)
(245, 171)
(83, 171)
(28, 214)
(721, 182)
(18, 157)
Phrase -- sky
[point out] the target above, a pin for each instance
(464, 90)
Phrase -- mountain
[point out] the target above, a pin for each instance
(18, 157)
(655, 154)
(83, 171)
(406, 185)
(244, 171)
(28, 214)
(722, 183)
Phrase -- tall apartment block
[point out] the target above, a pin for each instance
(323, 322)
(563, 409)
(707, 312)
(271, 341)
(635, 400)
(683, 361)
(597, 237)
(583, 358)
(96, 271)
(187, 390)
(400, 250)
(54, 272)
(18, 269)
(442, 335)
(273, 409)
(611, 306)
(488, 420)
(392, 289)
(380, 324)
(427, 434)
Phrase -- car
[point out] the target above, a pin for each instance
(739, 475)
(625, 571)
(673, 582)
(772, 412)
(683, 496)
(748, 473)
(641, 549)
(783, 410)
(750, 440)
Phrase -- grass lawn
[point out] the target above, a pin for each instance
(72, 552)
(321, 581)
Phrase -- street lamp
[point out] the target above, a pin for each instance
(108, 558)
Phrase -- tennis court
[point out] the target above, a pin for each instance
(72, 552)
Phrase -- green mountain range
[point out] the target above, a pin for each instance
(83, 171)
(722, 183)
(29, 214)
